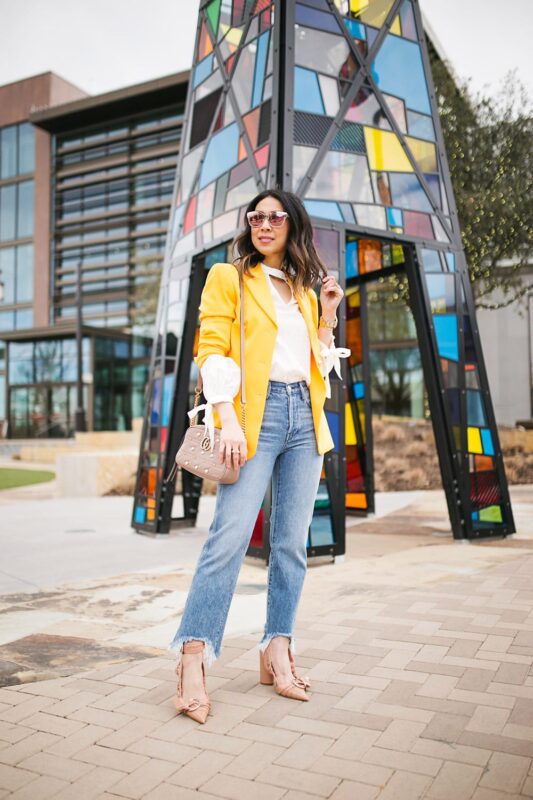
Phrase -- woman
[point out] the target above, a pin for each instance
(288, 355)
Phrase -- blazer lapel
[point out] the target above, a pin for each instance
(258, 287)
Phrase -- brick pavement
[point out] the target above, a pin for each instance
(421, 688)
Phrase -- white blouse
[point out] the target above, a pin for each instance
(291, 359)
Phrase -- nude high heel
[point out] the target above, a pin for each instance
(193, 708)
(267, 676)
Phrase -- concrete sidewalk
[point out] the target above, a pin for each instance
(419, 650)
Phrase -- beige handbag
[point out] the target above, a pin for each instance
(195, 453)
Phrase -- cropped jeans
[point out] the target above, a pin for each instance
(287, 453)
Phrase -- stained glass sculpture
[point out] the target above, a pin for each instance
(334, 100)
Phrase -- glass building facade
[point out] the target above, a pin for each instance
(112, 191)
(42, 383)
(17, 165)
(105, 192)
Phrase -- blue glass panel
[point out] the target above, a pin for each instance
(333, 422)
(202, 70)
(168, 387)
(359, 390)
(446, 334)
(307, 95)
(154, 415)
(260, 62)
(371, 34)
(324, 21)
(221, 154)
(324, 209)
(347, 212)
(450, 260)
(395, 217)
(420, 125)
(356, 29)
(486, 439)
(321, 527)
(433, 182)
(441, 291)
(407, 191)
(475, 415)
(431, 260)
(398, 69)
(140, 514)
(352, 267)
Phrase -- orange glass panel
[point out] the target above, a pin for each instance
(369, 256)
(152, 482)
(356, 500)
(204, 44)
(483, 463)
(251, 126)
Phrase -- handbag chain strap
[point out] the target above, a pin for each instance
(199, 383)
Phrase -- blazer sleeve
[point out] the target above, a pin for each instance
(218, 310)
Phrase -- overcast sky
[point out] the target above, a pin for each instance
(100, 45)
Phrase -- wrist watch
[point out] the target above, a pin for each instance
(328, 323)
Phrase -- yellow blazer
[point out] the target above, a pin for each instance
(220, 334)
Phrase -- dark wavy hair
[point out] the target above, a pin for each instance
(302, 262)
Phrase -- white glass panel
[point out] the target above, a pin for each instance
(370, 216)
(226, 223)
(330, 94)
(319, 50)
(241, 194)
(206, 198)
(342, 176)
(301, 158)
(188, 170)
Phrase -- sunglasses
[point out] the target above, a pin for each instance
(276, 218)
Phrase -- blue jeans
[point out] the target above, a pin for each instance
(287, 453)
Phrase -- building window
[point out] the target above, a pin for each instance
(16, 211)
(25, 209)
(8, 212)
(17, 150)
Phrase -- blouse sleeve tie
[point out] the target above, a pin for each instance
(331, 359)
(221, 378)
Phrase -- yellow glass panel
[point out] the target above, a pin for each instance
(232, 35)
(491, 514)
(357, 6)
(372, 12)
(385, 151)
(424, 152)
(396, 27)
(353, 297)
(350, 427)
(474, 440)
(356, 500)
(457, 436)
(150, 514)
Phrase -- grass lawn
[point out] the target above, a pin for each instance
(11, 478)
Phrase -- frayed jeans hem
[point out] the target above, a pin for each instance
(263, 644)
(209, 655)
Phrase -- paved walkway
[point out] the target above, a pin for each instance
(419, 650)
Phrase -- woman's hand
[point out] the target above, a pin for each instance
(330, 296)
(233, 448)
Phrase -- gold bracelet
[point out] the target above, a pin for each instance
(328, 323)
